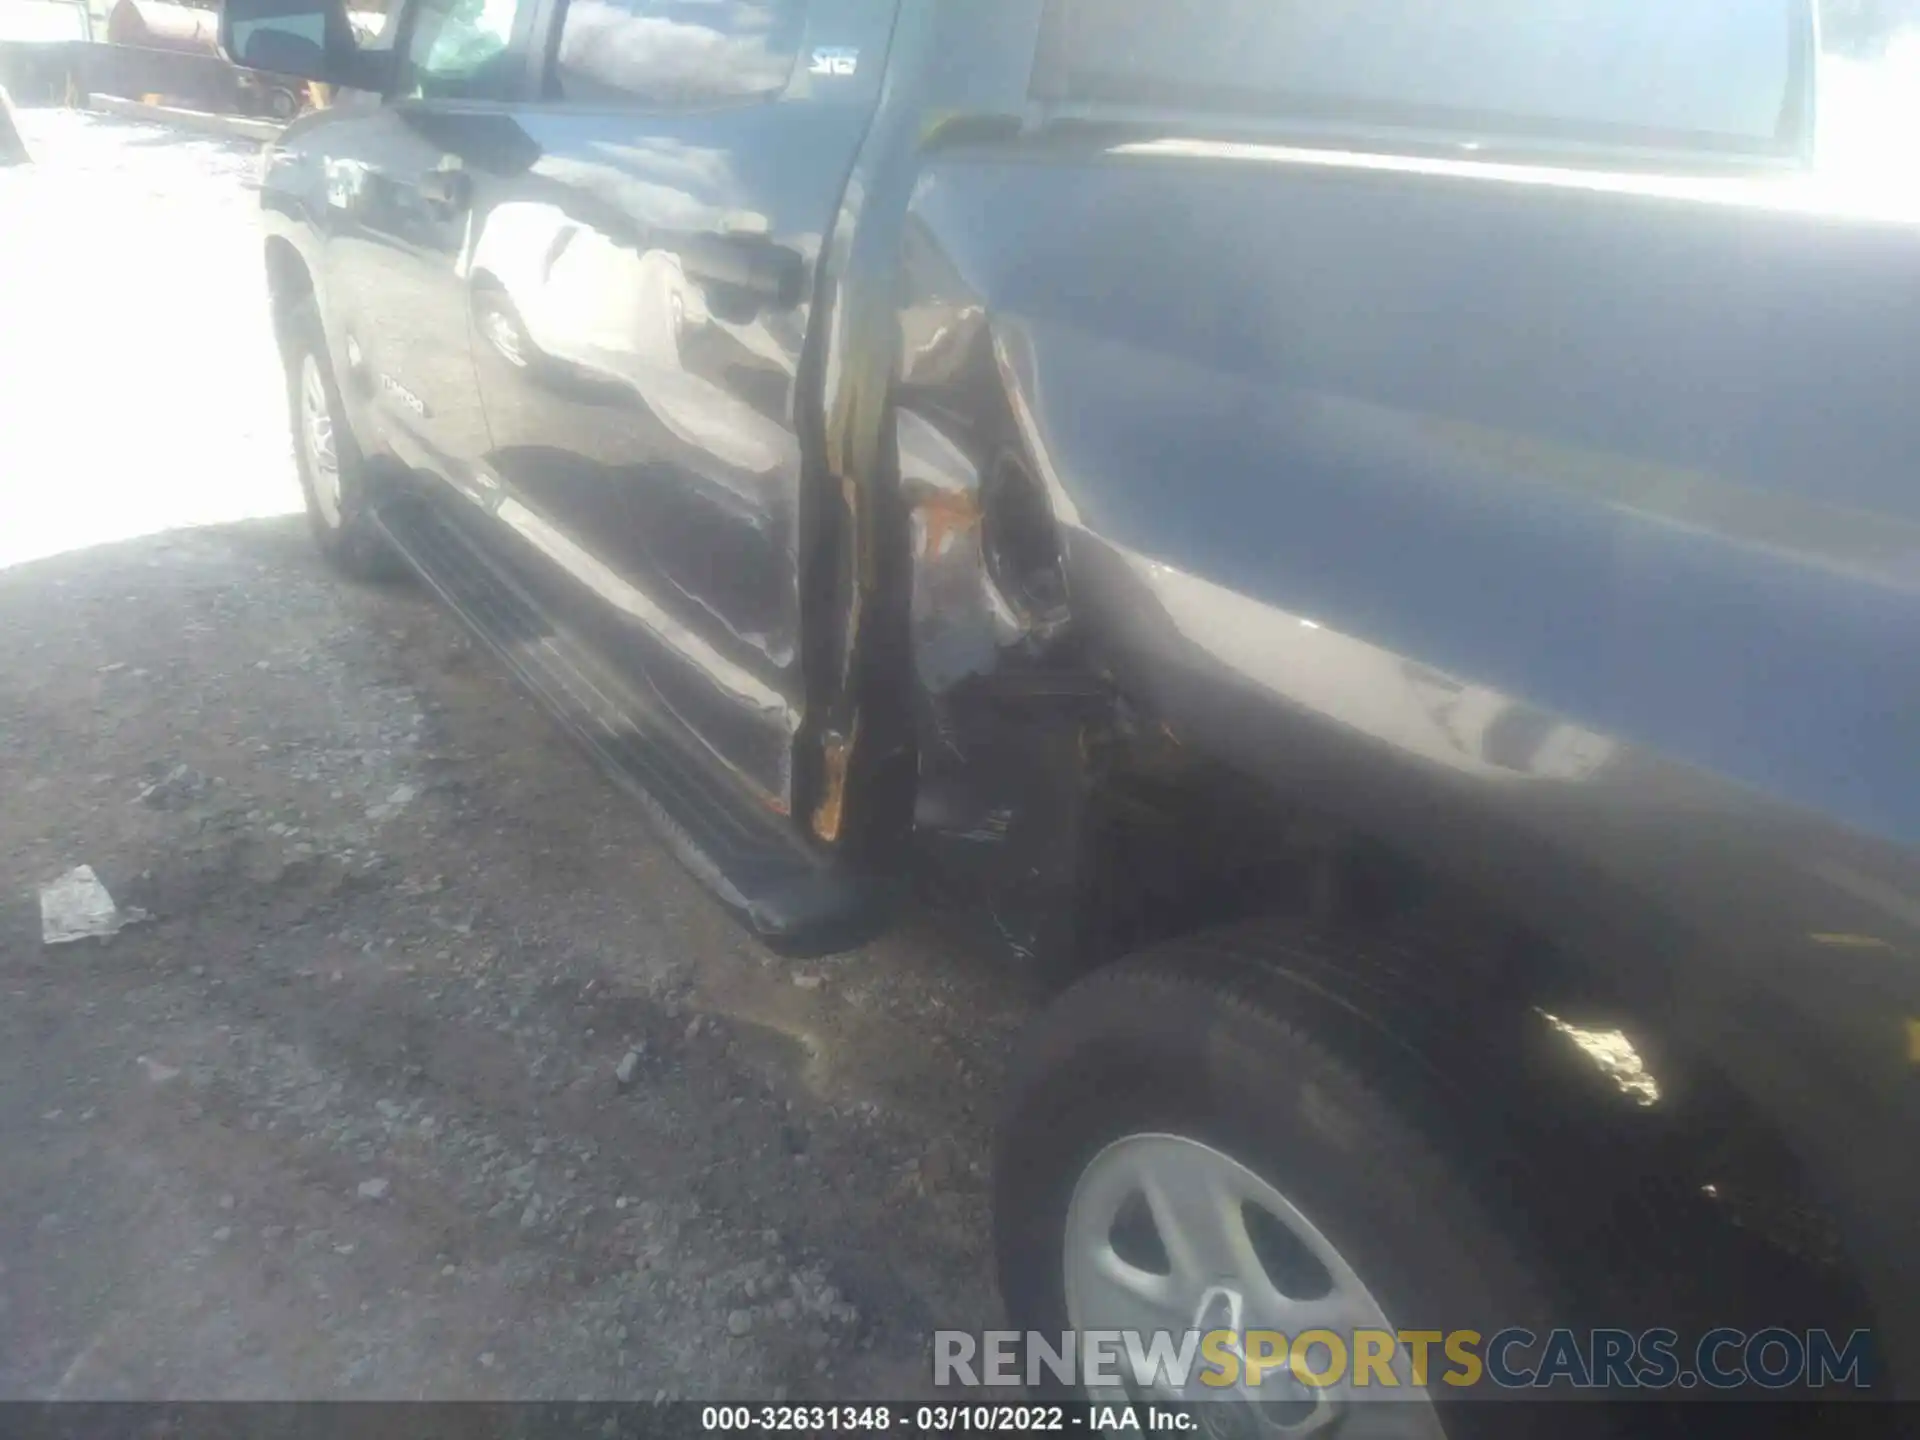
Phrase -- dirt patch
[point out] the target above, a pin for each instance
(341, 1118)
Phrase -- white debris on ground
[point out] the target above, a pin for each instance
(78, 907)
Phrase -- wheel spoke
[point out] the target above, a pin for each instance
(1344, 1308)
(1197, 1216)
(1129, 1295)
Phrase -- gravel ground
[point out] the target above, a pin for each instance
(341, 1115)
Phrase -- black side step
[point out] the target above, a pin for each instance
(789, 895)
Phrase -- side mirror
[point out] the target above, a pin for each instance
(283, 52)
(308, 39)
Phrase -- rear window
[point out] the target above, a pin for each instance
(673, 53)
(1722, 75)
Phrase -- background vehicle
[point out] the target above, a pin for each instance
(276, 96)
(1406, 536)
(161, 25)
(40, 45)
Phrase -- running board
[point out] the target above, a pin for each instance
(792, 898)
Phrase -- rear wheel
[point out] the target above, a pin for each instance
(1180, 1153)
(500, 325)
(334, 475)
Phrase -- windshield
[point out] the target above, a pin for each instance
(1706, 74)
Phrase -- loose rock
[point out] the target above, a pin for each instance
(178, 787)
(936, 1166)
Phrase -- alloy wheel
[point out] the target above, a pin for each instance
(1166, 1234)
(317, 439)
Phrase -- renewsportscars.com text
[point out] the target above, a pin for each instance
(1229, 1364)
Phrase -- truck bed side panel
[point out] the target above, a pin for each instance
(1565, 533)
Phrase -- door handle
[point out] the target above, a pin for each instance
(447, 189)
(755, 265)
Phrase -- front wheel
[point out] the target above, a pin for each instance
(1181, 1154)
(334, 475)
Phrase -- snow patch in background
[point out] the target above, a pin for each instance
(143, 387)
(1869, 123)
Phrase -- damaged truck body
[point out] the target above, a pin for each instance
(1382, 556)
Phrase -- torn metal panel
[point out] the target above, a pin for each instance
(1006, 767)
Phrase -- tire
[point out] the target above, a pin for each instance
(335, 478)
(1201, 1042)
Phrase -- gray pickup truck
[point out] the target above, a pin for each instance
(1377, 542)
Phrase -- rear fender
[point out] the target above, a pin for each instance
(1522, 580)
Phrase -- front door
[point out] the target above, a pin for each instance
(643, 298)
(402, 179)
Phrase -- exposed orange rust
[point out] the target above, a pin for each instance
(944, 513)
(835, 751)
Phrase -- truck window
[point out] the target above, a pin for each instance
(1709, 75)
(460, 49)
(663, 54)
